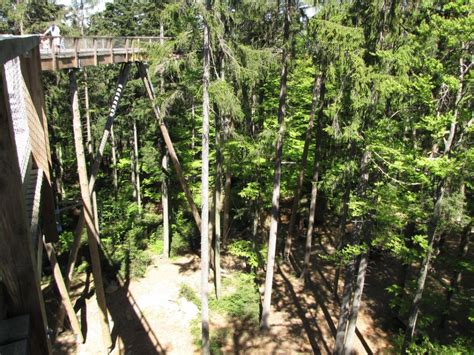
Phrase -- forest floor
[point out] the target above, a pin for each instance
(150, 315)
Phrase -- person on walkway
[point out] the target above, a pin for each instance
(54, 32)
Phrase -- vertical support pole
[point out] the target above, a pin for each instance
(93, 236)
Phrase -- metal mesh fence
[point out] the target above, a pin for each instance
(16, 97)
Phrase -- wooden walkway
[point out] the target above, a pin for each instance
(59, 53)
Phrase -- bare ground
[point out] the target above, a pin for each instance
(147, 316)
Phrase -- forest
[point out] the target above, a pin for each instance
(313, 159)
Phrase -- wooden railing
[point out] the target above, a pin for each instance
(73, 52)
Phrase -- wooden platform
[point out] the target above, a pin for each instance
(59, 53)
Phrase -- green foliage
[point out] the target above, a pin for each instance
(254, 256)
(243, 301)
(427, 346)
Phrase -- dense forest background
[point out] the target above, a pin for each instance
(350, 125)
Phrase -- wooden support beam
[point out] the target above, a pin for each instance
(169, 144)
(93, 236)
(17, 267)
(65, 300)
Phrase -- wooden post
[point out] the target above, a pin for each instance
(17, 267)
(95, 51)
(93, 236)
(65, 300)
(169, 145)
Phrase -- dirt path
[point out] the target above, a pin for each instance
(147, 318)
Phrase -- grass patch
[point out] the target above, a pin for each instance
(217, 339)
(243, 302)
(189, 295)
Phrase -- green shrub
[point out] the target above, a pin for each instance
(243, 302)
(189, 294)
(247, 250)
(460, 346)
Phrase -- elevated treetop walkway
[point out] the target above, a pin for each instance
(59, 53)
(27, 200)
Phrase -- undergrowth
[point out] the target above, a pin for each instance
(240, 301)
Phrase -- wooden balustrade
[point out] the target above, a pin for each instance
(74, 52)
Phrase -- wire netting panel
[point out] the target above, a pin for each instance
(17, 103)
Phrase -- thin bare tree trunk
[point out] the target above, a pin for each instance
(136, 167)
(93, 236)
(266, 308)
(304, 158)
(165, 168)
(114, 161)
(205, 189)
(420, 283)
(349, 276)
(165, 206)
(359, 289)
(342, 232)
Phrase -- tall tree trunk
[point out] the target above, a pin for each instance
(304, 158)
(114, 161)
(433, 233)
(342, 232)
(265, 323)
(136, 167)
(349, 276)
(420, 283)
(319, 88)
(93, 236)
(165, 168)
(205, 188)
(457, 274)
(165, 206)
(218, 199)
(226, 205)
(359, 289)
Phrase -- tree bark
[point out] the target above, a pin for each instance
(136, 167)
(319, 88)
(420, 283)
(359, 288)
(92, 233)
(342, 232)
(114, 161)
(345, 313)
(165, 206)
(205, 187)
(304, 158)
(265, 322)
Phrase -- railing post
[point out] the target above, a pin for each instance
(111, 50)
(94, 40)
(76, 49)
(126, 48)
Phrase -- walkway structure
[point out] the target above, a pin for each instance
(27, 211)
(77, 52)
